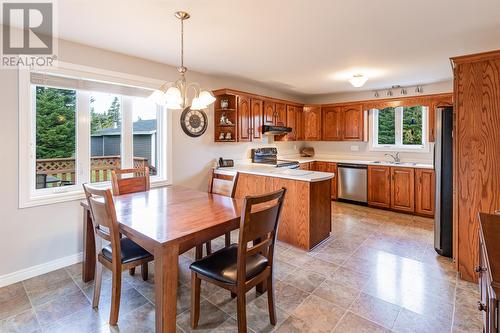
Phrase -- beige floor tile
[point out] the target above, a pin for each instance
(211, 317)
(376, 310)
(257, 313)
(295, 325)
(305, 280)
(411, 322)
(60, 307)
(25, 322)
(13, 300)
(288, 297)
(352, 323)
(319, 314)
(43, 288)
(337, 293)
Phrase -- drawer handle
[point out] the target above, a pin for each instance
(481, 306)
(479, 269)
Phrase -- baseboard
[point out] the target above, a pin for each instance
(33, 271)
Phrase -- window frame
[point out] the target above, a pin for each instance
(398, 123)
(29, 196)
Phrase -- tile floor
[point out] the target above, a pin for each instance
(377, 273)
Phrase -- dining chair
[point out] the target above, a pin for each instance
(238, 268)
(120, 254)
(139, 182)
(223, 186)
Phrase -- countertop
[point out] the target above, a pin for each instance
(272, 171)
(337, 160)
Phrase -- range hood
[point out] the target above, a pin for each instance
(275, 130)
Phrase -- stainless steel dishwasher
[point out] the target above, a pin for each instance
(353, 182)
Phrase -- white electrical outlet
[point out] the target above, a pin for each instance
(354, 148)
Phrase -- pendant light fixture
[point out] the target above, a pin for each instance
(174, 95)
(358, 80)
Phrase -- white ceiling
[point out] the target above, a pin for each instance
(296, 46)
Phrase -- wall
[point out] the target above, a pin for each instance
(41, 235)
(343, 149)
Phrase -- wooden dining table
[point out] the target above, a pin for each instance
(166, 221)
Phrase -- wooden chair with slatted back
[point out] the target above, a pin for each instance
(223, 185)
(119, 255)
(239, 268)
(139, 182)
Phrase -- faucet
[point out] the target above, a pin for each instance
(395, 157)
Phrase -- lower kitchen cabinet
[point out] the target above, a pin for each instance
(305, 166)
(403, 189)
(379, 186)
(425, 197)
(327, 167)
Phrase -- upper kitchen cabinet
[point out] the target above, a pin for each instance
(226, 117)
(332, 123)
(280, 114)
(299, 133)
(245, 119)
(312, 123)
(437, 102)
(403, 189)
(353, 123)
(269, 113)
(291, 121)
(257, 106)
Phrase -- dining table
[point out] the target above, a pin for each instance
(166, 221)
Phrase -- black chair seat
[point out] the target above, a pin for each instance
(221, 265)
(130, 251)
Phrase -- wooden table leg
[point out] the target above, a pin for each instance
(166, 278)
(88, 265)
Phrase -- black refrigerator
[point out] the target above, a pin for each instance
(443, 167)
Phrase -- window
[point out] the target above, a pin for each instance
(78, 129)
(400, 128)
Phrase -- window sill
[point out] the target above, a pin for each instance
(71, 195)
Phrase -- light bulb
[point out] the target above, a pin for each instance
(158, 97)
(197, 104)
(358, 80)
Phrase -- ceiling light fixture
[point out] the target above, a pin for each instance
(389, 92)
(377, 95)
(358, 80)
(175, 94)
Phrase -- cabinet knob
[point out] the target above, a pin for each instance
(481, 306)
(479, 269)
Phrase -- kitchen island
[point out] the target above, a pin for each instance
(306, 215)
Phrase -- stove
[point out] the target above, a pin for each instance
(269, 155)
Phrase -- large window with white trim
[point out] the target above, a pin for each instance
(400, 128)
(79, 129)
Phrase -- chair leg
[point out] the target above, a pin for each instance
(144, 271)
(199, 252)
(195, 300)
(270, 300)
(209, 247)
(97, 284)
(115, 297)
(131, 271)
(241, 311)
(227, 239)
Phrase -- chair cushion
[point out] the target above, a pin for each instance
(221, 265)
(130, 251)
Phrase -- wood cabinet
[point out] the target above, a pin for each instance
(291, 121)
(476, 152)
(332, 123)
(269, 113)
(280, 113)
(353, 123)
(403, 189)
(312, 123)
(257, 106)
(433, 105)
(425, 183)
(299, 133)
(305, 166)
(327, 167)
(488, 271)
(379, 186)
(244, 119)
(306, 215)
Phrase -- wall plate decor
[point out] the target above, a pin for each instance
(194, 122)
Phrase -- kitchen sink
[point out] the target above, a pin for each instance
(395, 163)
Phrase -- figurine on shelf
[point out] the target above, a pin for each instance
(221, 136)
(224, 120)
(228, 136)
(224, 103)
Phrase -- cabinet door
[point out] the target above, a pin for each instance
(379, 186)
(304, 166)
(425, 184)
(403, 189)
(312, 123)
(353, 123)
(332, 167)
(280, 114)
(244, 119)
(299, 115)
(321, 166)
(269, 113)
(332, 123)
(257, 108)
(291, 121)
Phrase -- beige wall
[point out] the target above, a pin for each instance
(34, 236)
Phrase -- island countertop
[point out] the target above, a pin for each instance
(272, 171)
